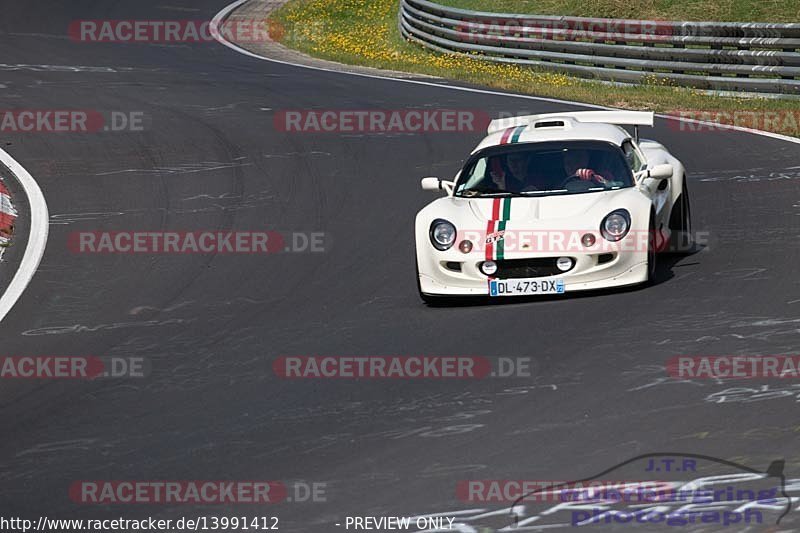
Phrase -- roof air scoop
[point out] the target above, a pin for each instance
(550, 124)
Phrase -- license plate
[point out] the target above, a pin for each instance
(520, 287)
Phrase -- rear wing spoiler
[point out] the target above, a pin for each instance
(620, 118)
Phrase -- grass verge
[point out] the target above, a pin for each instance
(364, 32)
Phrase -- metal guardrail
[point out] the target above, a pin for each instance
(718, 56)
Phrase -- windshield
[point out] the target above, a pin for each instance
(545, 168)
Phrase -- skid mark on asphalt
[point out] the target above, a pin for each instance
(214, 109)
(665, 381)
(297, 155)
(69, 218)
(756, 393)
(186, 168)
(722, 324)
(260, 196)
(223, 196)
(81, 328)
(58, 446)
(237, 203)
(750, 175)
(69, 68)
(742, 273)
(656, 376)
(147, 308)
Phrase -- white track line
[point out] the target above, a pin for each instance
(37, 239)
(223, 14)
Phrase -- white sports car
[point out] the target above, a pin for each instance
(553, 203)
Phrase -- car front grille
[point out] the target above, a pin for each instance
(528, 268)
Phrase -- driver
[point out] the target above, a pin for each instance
(515, 178)
(576, 164)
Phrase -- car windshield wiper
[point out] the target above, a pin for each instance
(525, 193)
(471, 193)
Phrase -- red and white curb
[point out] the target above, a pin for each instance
(37, 239)
(8, 217)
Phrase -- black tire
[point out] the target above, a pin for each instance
(680, 224)
(652, 256)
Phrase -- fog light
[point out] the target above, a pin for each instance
(588, 240)
(564, 263)
(465, 246)
(488, 267)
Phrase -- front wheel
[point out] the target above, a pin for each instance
(652, 257)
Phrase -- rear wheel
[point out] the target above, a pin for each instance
(680, 224)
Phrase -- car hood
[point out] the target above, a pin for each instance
(523, 209)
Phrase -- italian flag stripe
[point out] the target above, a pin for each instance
(517, 133)
(501, 226)
(490, 227)
(496, 203)
(501, 244)
(489, 245)
(511, 135)
(501, 213)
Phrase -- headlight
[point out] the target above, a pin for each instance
(443, 234)
(616, 225)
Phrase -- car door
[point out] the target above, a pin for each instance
(657, 190)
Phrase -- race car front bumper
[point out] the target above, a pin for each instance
(456, 274)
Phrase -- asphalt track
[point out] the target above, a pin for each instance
(210, 326)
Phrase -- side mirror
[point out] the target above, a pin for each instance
(431, 184)
(657, 172)
(436, 184)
